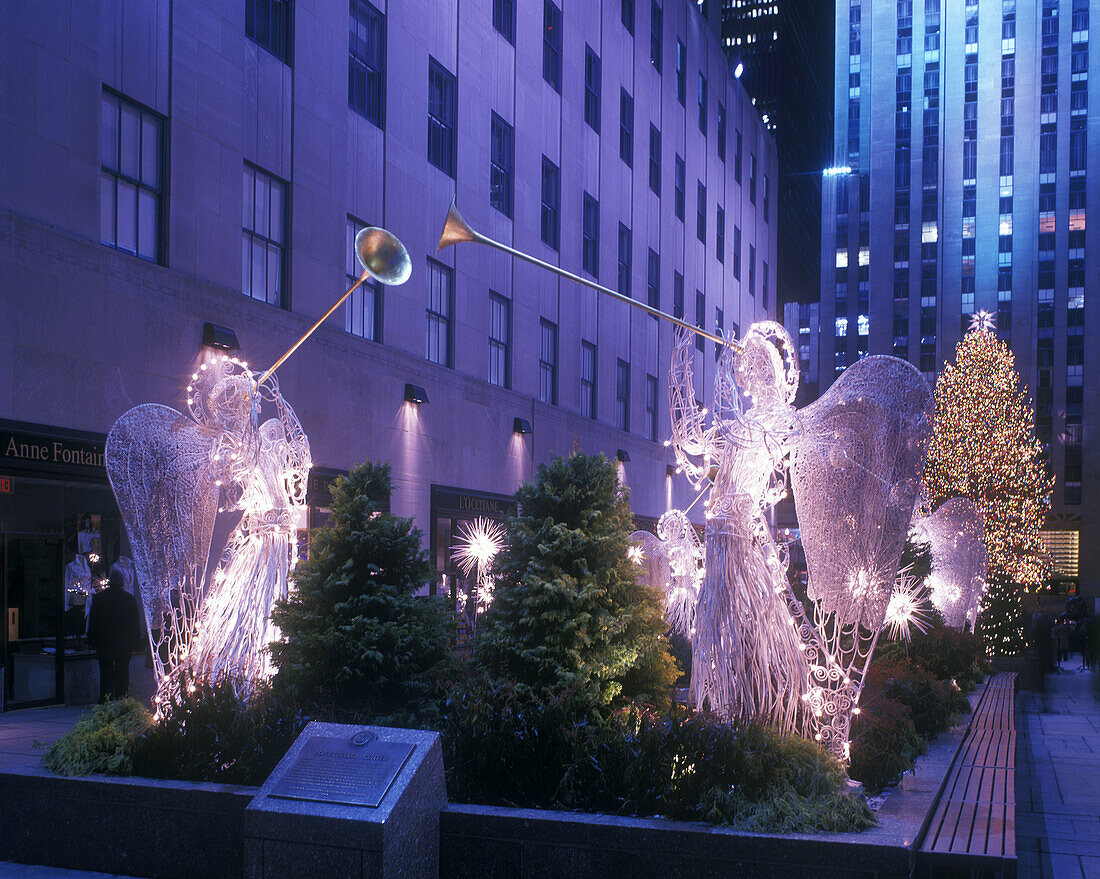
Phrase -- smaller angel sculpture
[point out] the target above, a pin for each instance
(956, 536)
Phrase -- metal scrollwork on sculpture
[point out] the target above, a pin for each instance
(211, 621)
(855, 458)
(168, 471)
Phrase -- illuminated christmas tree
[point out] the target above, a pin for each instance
(984, 448)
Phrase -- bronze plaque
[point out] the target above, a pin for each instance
(353, 772)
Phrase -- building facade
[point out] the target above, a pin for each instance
(168, 165)
(963, 134)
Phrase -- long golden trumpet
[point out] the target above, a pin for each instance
(382, 256)
(457, 230)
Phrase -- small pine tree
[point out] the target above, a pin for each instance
(568, 609)
(1001, 620)
(355, 639)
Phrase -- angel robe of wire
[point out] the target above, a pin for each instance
(168, 471)
(747, 659)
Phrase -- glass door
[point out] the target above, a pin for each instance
(33, 629)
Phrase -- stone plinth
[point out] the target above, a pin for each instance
(397, 839)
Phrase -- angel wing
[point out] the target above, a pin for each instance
(955, 534)
(163, 476)
(855, 473)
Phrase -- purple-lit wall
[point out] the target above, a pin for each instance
(87, 331)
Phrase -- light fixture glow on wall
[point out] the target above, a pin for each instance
(521, 426)
(623, 455)
(415, 394)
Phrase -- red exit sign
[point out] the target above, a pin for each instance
(5, 485)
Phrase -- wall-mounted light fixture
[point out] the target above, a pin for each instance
(670, 470)
(521, 425)
(415, 394)
(623, 455)
(216, 336)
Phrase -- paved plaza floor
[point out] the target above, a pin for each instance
(1058, 777)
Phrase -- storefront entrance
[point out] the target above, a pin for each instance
(33, 631)
(60, 530)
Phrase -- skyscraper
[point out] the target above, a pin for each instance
(784, 50)
(949, 210)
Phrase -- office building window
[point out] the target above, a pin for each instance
(677, 296)
(548, 362)
(131, 183)
(551, 46)
(590, 236)
(626, 128)
(752, 270)
(719, 330)
(701, 211)
(720, 235)
(441, 283)
(625, 247)
(622, 395)
(653, 279)
(681, 73)
(737, 252)
(721, 132)
(702, 104)
(588, 379)
(627, 11)
(367, 61)
(764, 284)
(441, 117)
(501, 165)
(263, 260)
(363, 309)
(551, 203)
(655, 160)
(651, 407)
(500, 340)
(656, 27)
(268, 24)
(700, 318)
(752, 178)
(737, 156)
(680, 184)
(504, 19)
(592, 89)
(767, 198)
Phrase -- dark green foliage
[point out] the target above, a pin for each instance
(884, 742)
(504, 746)
(1001, 620)
(356, 642)
(916, 558)
(944, 653)
(567, 608)
(101, 742)
(932, 703)
(208, 733)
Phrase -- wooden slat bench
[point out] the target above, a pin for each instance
(973, 824)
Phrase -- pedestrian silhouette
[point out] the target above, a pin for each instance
(115, 631)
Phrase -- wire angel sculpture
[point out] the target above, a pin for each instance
(855, 458)
(672, 561)
(168, 471)
(956, 536)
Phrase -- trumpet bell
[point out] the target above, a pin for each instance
(383, 256)
(456, 229)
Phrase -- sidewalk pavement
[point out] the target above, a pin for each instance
(1058, 777)
(27, 871)
(19, 730)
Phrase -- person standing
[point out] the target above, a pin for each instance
(115, 631)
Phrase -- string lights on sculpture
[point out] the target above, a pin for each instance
(954, 534)
(855, 459)
(907, 609)
(173, 474)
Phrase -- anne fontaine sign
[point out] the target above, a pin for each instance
(28, 447)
